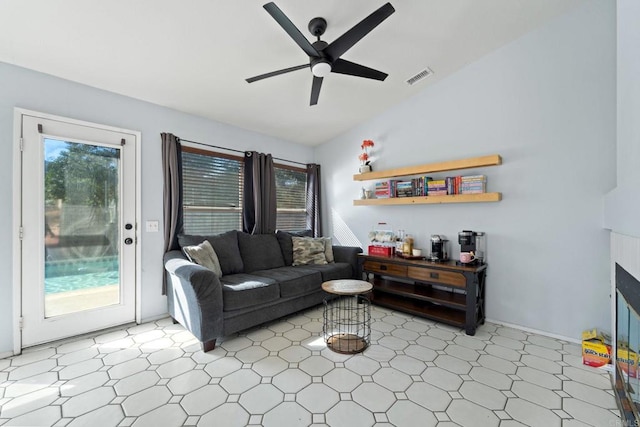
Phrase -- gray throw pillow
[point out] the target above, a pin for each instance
(204, 255)
(226, 247)
(308, 250)
(328, 249)
(259, 251)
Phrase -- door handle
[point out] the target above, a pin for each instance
(128, 241)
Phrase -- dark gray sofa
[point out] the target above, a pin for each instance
(258, 283)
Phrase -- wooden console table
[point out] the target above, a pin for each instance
(442, 291)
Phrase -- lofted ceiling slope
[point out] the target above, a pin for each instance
(195, 55)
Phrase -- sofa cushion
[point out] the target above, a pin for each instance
(259, 251)
(245, 290)
(225, 245)
(293, 281)
(204, 255)
(308, 250)
(333, 271)
(286, 245)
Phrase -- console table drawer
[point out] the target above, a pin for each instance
(437, 276)
(385, 268)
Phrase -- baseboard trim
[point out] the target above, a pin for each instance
(154, 318)
(535, 331)
(6, 354)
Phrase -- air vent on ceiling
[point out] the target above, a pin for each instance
(420, 76)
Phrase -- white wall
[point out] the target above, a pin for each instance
(622, 206)
(36, 91)
(546, 104)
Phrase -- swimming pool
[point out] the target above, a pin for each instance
(64, 276)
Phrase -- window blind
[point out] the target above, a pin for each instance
(212, 193)
(212, 185)
(291, 191)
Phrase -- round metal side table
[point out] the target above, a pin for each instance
(347, 318)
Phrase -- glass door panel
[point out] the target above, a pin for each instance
(81, 245)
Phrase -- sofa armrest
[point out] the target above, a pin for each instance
(195, 296)
(349, 254)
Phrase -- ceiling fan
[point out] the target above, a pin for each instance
(325, 58)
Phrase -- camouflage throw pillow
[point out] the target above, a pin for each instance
(308, 250)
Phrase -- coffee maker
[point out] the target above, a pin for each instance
(439, 251)
(474, 242)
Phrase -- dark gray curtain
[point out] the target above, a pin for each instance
(314, 208)
(259, 206)
(172, 209)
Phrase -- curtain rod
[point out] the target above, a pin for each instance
(238, 151)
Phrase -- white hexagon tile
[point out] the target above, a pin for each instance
(415, 372)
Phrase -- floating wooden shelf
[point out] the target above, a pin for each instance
(474, 162)
(423, 200)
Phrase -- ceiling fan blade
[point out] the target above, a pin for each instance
(315, 90)
(361, 29)
(276, 73)
(291, 29)
(342, 66)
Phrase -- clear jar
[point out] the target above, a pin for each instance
(399, 242)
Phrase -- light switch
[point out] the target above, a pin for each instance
(153, 226)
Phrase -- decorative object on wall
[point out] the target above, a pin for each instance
(325, 58)
(364, 157)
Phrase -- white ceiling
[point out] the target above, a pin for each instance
(193, 55)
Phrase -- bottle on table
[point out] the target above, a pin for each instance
(407, 247)
(399, 242)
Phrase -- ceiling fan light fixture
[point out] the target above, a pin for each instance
(321, 69)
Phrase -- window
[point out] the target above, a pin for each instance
(212, 193)
(291, 192)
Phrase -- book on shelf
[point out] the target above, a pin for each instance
(469, 184)
(404, 188)
(473, 185)
(474, 178)
(383, 189)
(413, 187)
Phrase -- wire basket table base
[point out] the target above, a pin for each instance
(347, 319)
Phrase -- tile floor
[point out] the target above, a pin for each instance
(415, 373)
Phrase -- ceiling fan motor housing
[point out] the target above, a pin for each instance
(317, 26)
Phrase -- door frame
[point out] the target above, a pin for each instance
(18, 113)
